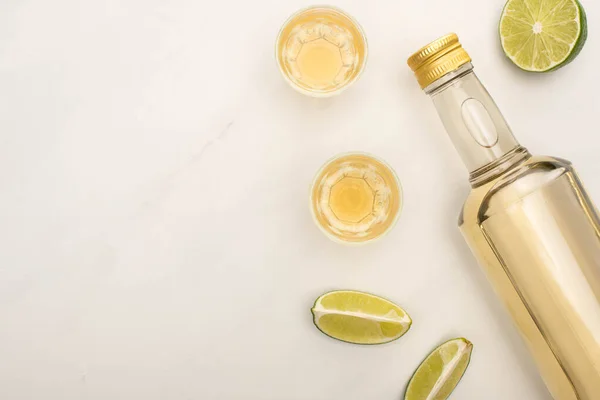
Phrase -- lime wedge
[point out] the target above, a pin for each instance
(441, 371)
(359, 318)
(542, 35)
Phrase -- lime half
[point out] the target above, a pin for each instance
(542, 35)
(360, 318)
(441, 371)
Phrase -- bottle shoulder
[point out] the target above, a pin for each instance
(512, 186)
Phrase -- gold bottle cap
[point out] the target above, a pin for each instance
(437, 59)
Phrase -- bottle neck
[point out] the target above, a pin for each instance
(476, 126)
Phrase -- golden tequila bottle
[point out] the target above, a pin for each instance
(321, 51)
(528, 221)
(355, 198)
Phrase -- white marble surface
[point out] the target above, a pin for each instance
(155, 237)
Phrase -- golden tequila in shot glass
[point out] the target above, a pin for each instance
(321, 51)
(355, 198)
